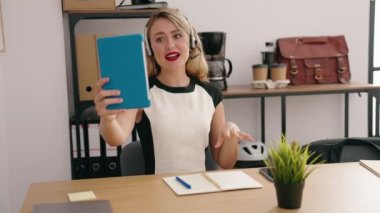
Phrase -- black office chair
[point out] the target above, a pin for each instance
(347, 149)
(132, 160)
(355, 149)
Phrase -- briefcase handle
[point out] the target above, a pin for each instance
(312, 40)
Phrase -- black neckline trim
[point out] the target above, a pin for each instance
(188, 89)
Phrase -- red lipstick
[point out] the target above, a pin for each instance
(172, 56)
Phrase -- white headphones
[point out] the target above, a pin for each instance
(149, 51)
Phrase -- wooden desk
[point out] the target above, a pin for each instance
(246, 91)
(346, 187)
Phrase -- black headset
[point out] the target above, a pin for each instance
(149, 51)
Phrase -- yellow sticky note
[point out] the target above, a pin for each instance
(81, 196)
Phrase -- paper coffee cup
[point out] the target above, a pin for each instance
(260, 72)
(278, 72)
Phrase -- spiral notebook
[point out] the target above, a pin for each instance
(211, 182)
(122, 59)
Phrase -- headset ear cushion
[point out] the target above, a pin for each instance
(148, 50)
(193, 42)
(146, 42)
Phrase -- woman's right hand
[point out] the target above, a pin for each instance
(103, 99)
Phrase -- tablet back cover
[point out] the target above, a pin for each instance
(122, 59)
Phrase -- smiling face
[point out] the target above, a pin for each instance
(170, 45)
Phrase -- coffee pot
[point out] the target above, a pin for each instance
(214, 49)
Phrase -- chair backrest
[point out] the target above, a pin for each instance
(347, 149)
(354, 153)
(355, 149)
(132, 160)
(210, 162)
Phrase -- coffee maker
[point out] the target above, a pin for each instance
(214, 49)
(268, 56)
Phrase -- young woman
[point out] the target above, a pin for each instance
(186, 113)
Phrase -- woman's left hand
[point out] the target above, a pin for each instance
(231, 132)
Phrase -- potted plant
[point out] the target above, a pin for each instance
(288, 163)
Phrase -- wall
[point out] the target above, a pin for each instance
(4, 165)
(4, 173)
(251, 23)
(34, 105)
(376, 61)
(33, 92)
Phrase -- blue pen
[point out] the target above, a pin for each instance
(188, 186)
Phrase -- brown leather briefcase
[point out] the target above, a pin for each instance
(313, 60)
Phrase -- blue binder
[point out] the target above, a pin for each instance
(122, 59)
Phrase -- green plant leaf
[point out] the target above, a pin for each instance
(288, 162)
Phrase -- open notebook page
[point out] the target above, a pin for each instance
(212, 182)
(233, 180)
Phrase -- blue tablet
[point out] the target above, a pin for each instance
(122, 59)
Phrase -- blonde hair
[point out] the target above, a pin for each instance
(196, 65)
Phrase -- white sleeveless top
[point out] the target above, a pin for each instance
(175, 128)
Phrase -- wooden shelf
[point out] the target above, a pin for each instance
(83, 165)
(246, 91)
(115, 11)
